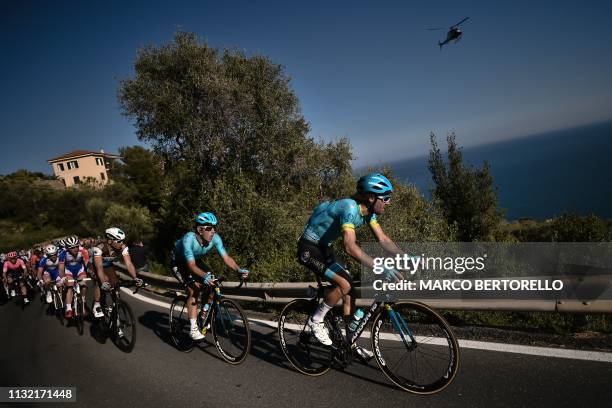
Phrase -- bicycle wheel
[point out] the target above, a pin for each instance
(415, 347)
(58, 307)
(123, 327)
(231, 331)
(299, 345)
(178, 320)
(79, 310)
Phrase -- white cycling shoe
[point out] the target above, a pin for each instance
(196, 335)
(320, 332)
(49, 297)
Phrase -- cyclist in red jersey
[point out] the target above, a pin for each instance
(13, 271)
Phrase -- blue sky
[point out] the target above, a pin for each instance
(367, 70)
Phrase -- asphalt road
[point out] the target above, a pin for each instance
(35, 350)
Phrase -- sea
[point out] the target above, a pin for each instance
(540, 176)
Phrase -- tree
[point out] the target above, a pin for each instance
(229, 130)
(142, 172)
(465, 194)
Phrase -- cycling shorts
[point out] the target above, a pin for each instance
(321, 260)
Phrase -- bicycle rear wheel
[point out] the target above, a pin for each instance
(231, 331)
(123, 327)
(178, 320)
(415, 347)
(298, 343)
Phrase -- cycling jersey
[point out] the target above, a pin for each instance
(189, 248)
(34, 260)
(330, 218)
(13, 268)
(74, 264)
(108, 254)
(49, 266)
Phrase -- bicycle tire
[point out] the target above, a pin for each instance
(434, 350)
(58, 307)
(178, 324)
(123, 327)
(231, 331)
(299, 345)
(79, 315)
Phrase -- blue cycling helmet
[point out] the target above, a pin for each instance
(374, 183)
(206, 218)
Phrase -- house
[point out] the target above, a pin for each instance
(83, 166)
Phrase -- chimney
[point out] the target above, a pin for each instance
(102, 151)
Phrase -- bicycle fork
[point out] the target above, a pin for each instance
(401, 327)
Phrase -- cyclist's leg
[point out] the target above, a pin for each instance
(193, 296)
(70, 281)
(22, 284)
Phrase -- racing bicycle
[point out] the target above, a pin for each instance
(225, 319)
(413, 344)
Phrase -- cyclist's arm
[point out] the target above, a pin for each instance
(384, 241)
(40, 273)
(99, 267)
(62, 269)
(229, 261)
(350, 246)
(129, 265)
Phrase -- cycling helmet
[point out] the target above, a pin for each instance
(72, 242)
(206, 218)
(50, 250)
(374, 183)
(11, 254)
(115, 234)
(61, 243)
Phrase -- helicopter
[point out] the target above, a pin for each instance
(454, 33)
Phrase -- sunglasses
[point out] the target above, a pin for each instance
(209, 228)
(385, 199)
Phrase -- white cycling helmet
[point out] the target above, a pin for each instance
(50, 250)
(72, 242)
(115, 234)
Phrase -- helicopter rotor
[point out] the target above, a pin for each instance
(456, 25)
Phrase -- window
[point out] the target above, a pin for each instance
(63, 181)
(60, 166)
(76, 179)
(73, 164)
(102, 176)
(99, 162)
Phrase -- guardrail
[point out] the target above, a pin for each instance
(284, 292)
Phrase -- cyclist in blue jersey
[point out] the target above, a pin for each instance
(192, 246)
(48, 271)
(329, 221)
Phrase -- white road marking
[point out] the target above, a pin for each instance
(468, 344)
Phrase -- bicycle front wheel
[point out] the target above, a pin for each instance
(231, 331)
(178, 320)
(80, 310)
(124, 327)
(298, 343)
(415, 347)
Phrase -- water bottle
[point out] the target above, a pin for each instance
(204, 314)
(355, 321)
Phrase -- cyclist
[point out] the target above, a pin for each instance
(107, 252)
(328, 222)
(13, 270)
(73, 266)
(194, 245)
(48, 271)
